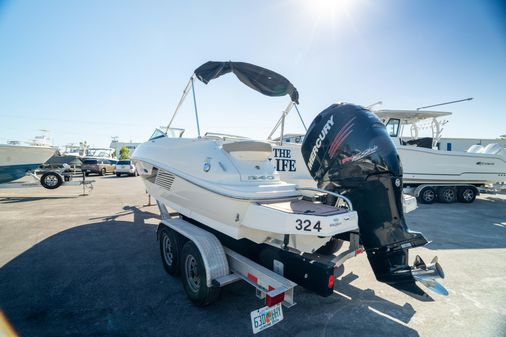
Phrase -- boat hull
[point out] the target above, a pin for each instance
(16, 161)
(422, 165)
(241, 218)
(14, 172)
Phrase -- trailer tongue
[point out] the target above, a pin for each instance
(347, 150)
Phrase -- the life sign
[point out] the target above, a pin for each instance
(283, 161)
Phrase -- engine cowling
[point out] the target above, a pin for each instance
(348, 150)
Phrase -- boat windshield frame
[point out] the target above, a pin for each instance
(169, 133)
(395, 127)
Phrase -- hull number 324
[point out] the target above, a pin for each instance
(307, 226)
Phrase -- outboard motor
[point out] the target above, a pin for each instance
(348, 150)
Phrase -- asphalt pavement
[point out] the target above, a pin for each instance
(74, 265)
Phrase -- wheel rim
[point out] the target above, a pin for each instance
(192, 273)
(468, 194)
(51, 180)
(168, 255)
(428, 195)
(449, 195)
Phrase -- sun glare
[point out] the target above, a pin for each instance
(329, 19)
(329, 8)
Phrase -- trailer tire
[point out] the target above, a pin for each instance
(427, 195)
(170, 251)
(51, 180)
(194, 276)
(447, 194)
(466, 194)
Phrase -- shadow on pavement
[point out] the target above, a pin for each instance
(106, 279)
(12, 200)
(479, 225)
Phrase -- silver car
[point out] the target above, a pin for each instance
(125, 167)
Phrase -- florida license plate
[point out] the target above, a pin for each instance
(266, 317)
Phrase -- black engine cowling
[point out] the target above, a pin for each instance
(348, 150)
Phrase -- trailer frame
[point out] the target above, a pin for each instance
(224, 266)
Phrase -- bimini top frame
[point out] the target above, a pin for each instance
(260, 79)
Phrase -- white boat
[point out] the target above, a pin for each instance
(17, 160)
(102, 153)
(423, 163)
(231, 187)
(73, 150)
(228, 185)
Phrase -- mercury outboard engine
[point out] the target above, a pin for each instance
(348, 150)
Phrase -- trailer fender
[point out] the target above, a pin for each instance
(210, 248)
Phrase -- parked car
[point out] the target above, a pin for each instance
(99, 166)
(126, 167)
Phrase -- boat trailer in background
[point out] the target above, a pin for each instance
(52, 179)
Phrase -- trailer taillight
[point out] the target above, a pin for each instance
(271, 301)
(331, 282)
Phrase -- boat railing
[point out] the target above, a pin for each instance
(337, 195)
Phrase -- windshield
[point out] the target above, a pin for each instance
(157, 134)
(124, 162)
(99, 152)
(393, 127)
(175, 133)
(89, 161)
(171, 133)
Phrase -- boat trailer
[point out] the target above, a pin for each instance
(52, 179)
(207, 261)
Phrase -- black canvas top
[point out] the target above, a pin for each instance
(260, 79)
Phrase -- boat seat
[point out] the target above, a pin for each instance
(304, 207)
(248, 150)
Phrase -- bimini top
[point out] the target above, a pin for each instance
(257, 78)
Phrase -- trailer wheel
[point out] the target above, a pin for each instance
(170, 251)
(427, 195)
(51, 180)
(447, 194)
(194, 276)
(466, 194)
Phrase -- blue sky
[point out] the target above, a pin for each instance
(89, 70)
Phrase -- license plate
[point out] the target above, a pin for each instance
(266, 317)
